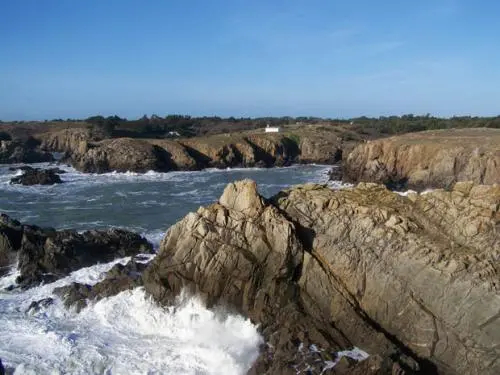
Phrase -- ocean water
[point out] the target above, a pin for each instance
(127, 333)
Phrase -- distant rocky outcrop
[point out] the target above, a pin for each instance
(413, 279)
(44, 254)
(66, 140)
(89, 154)
(121, 155)
(17, 151)
(428, 159)
(35, 176)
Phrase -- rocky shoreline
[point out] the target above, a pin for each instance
(89, 154)
(412, 280)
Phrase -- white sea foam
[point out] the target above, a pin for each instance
(124, 334)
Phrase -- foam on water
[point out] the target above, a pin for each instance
(124, 334)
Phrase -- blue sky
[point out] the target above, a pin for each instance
(72, 58)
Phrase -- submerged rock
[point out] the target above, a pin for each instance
(45, 255)
(413, 279)
(36, 306)
(33, 176)
(118, 279)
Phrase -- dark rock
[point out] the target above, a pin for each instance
(13, 152)
(335, 174)
(2, 369)
(36, 306)
(45, 254)
(37, 177)
(118, 279)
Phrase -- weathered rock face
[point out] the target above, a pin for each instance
(320, 150)
(34, 176)
(245, 253)
(414, 279)
(66, 140)
(428, 159)
(242, 150)
(122, 155)
(423, 268)
(22, 152)
(240, 230)
(45, 254)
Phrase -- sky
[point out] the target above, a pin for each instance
(336, 59)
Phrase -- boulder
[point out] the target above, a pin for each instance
(34, 176)
(45, 255)
(431, 159)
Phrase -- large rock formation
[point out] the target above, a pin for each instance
(17, 151)
(66, 140)
(428, 159)
(412, 279)
(44, 254)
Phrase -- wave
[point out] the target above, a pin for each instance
(124, 334)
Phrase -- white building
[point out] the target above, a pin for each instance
(272, 129)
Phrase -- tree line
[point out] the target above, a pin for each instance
(188, 126)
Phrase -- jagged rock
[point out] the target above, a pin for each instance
(118, 279)
(412, 279)
(44, 254)
(32, 176)
(422, 268)
(12, 152)
(245, 253)
(66, 140)
(428, 159)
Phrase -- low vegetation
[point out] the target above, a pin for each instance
(172, 126)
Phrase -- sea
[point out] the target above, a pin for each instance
(127, 333)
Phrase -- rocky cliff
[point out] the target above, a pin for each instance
(428, 159)
(66, 140)
(413, 280)
(89, 154)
